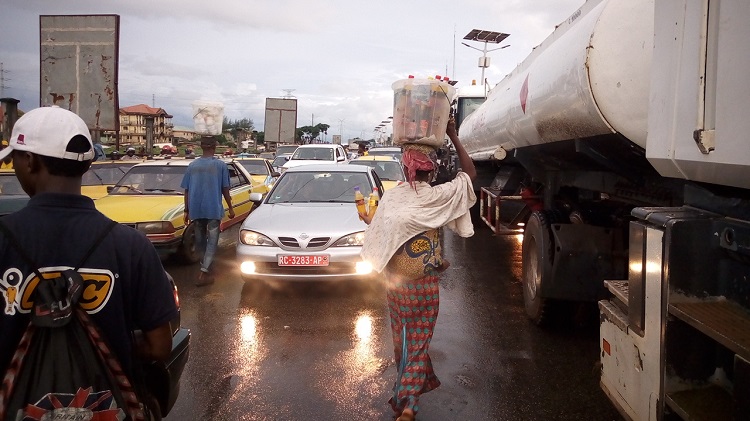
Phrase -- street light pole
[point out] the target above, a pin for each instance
(485, 37)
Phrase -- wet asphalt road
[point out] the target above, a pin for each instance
(323, 351)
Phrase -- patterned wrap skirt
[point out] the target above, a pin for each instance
(413, 306)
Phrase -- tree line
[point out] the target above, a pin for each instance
(244, 128)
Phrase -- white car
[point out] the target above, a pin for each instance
(307, 228)
(319, 153)
(394, 151)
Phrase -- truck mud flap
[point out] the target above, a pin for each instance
(583, 259)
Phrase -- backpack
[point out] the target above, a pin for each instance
(62, 368)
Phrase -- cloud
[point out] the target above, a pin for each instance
(340, 57)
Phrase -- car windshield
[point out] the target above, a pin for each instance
(149, 179)
(314, 154)
(105, 174)
(386, 170)
(325, 187)
(286, 149)
(255, 167)
(280, 160)
(9, 185)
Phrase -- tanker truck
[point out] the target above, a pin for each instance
(620, 148)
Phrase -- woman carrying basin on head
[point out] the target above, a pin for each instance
(403, 242)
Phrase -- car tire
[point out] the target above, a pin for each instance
(153, 412)
(188, 252)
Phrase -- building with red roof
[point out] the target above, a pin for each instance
(133, 125)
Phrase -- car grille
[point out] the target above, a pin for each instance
(270, 268)
(288, 242)
(313, 243)
(318, 242)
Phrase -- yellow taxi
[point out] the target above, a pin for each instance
(261, 172)
(387, 168)
(103, 174)
(149, 198)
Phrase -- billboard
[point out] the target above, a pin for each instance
(78, 66)
(281, 120)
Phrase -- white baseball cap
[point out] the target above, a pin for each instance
(47, 131)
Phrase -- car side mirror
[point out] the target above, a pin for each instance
(256, 198)
(275, 174)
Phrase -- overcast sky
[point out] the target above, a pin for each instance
(339, 56)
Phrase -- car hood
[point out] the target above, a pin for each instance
(140, 208)
(95, 192)
(313, 219)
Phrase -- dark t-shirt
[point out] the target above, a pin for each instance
(125, 284)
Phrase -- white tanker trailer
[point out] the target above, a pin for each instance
(621, 146)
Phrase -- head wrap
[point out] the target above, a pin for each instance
(418, 158)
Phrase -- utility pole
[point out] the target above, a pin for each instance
(453, 72)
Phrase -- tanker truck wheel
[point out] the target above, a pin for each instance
(537, 267)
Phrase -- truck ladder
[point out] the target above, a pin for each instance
(489, 210)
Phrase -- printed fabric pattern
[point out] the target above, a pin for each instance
(413, 302)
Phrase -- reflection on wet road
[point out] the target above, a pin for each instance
(323, 351)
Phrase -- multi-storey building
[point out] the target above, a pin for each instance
(133, 125)
(183, 134)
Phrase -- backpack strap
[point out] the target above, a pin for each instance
(98, 241)
(14, 242)
(16, 245)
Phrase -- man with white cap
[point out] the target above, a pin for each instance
(125, 283)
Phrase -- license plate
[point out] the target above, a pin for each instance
(303, 260)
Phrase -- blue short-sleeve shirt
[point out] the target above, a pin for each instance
(204, 180)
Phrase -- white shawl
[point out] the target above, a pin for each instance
(404, 213)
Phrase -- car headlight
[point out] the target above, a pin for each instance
(252, 238)
(247, 267)
(363, 268)
(356, 239)
(156, 227)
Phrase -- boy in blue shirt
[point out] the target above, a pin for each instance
(205, 182)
